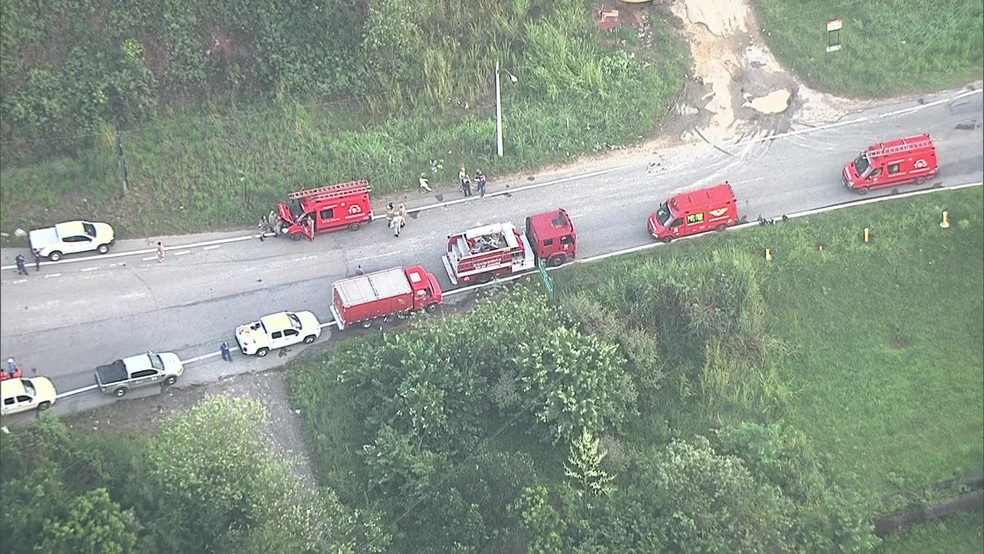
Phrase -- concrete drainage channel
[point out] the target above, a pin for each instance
(471, 288)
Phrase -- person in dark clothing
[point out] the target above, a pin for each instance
(21, 265)
(37, 259)
(226, 354)
(480, 181)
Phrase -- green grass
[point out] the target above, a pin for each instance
(889, 47)
(958, 534)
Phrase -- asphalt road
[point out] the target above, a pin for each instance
(80, 313)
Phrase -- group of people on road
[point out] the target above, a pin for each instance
(22, 262)
(466, 182)
(13, 371)
(397, 217)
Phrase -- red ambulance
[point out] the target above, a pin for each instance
(689, 213)
(895, 162)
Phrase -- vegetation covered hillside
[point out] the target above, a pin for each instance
(223, 107)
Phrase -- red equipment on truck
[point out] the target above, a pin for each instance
(694, 212)
(489, 251)
(325, 209)
(366, 298)
(895, 162)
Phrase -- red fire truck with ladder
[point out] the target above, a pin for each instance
(323, 209)
(482, 253)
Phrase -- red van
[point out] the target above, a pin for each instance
(896, 162)
(689, 213)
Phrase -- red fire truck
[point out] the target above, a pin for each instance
(479, 254)
(689, 213)
(373, 296)
(894, 162)
(330, 208)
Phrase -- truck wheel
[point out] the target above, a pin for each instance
(557, 260)
(262, 352)
(366, 323)
(103, 248)
(431, 308)
(309, 339)
(120, 392)
(297, 236)
(171, 379)
(720, 228)
(55, 256)
(920, 180)
(862, 191)
(354, 226)
(667, 239)
(44, 406)
(484, 279)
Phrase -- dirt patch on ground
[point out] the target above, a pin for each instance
(145, 415)
(736, 88)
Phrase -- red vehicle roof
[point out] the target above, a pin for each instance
(718, 194)
(557, 221)
(906, 144)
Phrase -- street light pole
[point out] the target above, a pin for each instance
(498, 111)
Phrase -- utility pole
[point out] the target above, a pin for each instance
(122, 160)
(498, 112)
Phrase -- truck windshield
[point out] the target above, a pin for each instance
(155, 361)
(295, 321)
(663, 214)
(89, 229)
(862, 165)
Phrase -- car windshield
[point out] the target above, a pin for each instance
(861, 164)
(295, 321)
(29, 388)
(663, 214)
(155, 361)
(89, 229)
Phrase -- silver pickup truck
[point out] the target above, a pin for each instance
(139, 371)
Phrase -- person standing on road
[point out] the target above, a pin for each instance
(480, 181)
(160, 252)
(402, 211)
(397, 224)
(226, 354)
(465, 182)
(264, 226)
(37, 259)
(21, 265)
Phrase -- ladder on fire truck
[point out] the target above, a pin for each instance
(332, 191)
(922, 142)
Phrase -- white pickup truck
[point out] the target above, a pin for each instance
(277, 331)
(72, 237)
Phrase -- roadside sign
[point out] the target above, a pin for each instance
(547, 280)
(833, 35)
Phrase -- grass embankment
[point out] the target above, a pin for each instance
(874, 351)
(888, 47)
(222, 165)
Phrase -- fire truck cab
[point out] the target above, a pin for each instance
(689, 213)
(895, 162)
(552, 237)
(329, 208)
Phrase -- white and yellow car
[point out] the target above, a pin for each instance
(21, 395)
(277, 331)
(72, 237)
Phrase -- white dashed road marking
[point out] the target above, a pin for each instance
(52, 275)
(213, 247)
(90, 269)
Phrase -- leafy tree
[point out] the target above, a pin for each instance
(544, 526)
(216, 474)
(94, 524)
(583, 467)
(575, 382)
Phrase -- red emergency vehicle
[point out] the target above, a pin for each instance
(373, 296)
(895, 162)
(329, 208)
(479, 254)
(689, 213)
